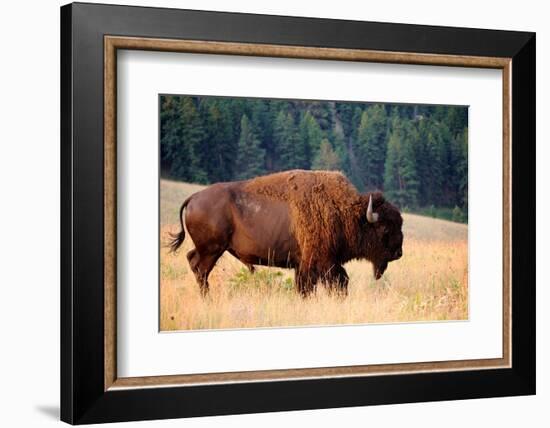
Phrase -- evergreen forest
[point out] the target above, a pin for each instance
(416, 154)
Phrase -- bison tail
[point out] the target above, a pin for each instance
(178, 238)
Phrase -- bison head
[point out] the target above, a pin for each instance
(386, 238)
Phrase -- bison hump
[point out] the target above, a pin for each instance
(320, 205)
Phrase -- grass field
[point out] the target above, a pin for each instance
(430, 282)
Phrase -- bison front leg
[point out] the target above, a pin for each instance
(305, 281)
(338, 280)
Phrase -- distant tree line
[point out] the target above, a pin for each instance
(416, 154)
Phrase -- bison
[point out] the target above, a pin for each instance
(311, 221)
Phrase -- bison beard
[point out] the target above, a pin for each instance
(311, 221)
(379, 269)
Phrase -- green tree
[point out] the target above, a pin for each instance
(462, 170)
(170, 131)
(322, 111)
(371, 146)
(260, 117)
(326, 158)
(338, 142)
(418, 154)
(437, 150)
(290, 146)
(250, 157)
(456, 119)
(220, 149)
(311, 136)
(457, 215)
(400, 177)
(345, 115)
(184, 141)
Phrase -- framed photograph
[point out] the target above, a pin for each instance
(265, 213)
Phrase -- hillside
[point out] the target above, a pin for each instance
(173, 193)
(430, 282)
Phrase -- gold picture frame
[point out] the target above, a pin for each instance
(114, 43)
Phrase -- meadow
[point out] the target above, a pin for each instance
(429, 283)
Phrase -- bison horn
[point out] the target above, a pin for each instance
(371, 216)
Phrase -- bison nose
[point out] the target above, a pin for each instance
(398, 253)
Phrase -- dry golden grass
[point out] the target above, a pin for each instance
(430, 282)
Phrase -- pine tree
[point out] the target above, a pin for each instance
(290, 146)
(170, 131)
(437, 149)
(456, 119)
(236, 107)
(345, 114)
(462, 169)
(260, 118)
(423, 165)
(185, 141)
(417, 154)
(354, 167)
(326, 158)
(392, 179)
(400, 178)
(371, 146)
(311, 136)
(219, 149)
(338, 142)
(250, 158)
(321, 111)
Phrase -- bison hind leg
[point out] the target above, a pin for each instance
(192, 257)
(202, 265)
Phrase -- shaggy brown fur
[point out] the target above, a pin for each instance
(326, 225)
(321, 204)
